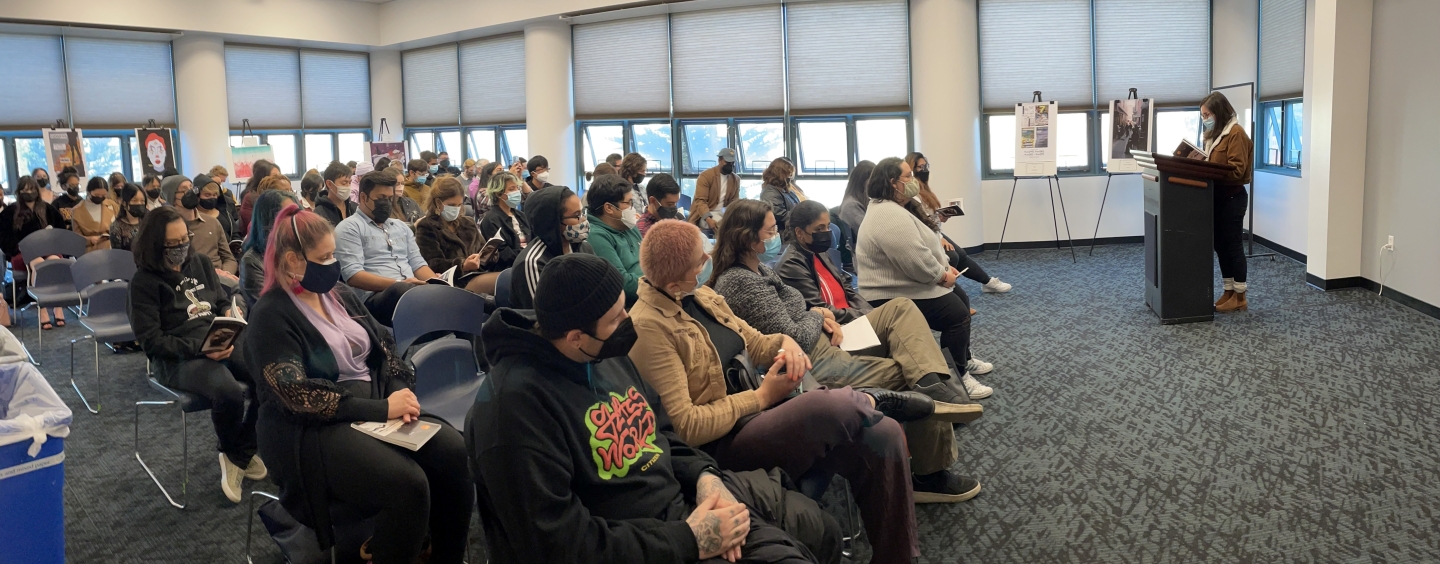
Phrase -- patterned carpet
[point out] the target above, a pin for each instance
(1299, 431)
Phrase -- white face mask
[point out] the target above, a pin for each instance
(543, 176)
(343, 191)
(450, 213)
(628, 216)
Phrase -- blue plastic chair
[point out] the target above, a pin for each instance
(51, 284)
(502, 288)
(187, 403)
(684, 204)
(108, 320)
(447, 377)
(100, 266)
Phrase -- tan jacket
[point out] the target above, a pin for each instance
(709, 194)
(81, 222)
(1235, 149)
(675, 356)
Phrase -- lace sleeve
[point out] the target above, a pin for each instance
(306, 397)
(397, 369)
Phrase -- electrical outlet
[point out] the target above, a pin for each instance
(1391, 244)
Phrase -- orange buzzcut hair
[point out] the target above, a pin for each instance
(667, 249)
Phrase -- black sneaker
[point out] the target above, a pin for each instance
(952, 405)
(903, 407)
(944, 487)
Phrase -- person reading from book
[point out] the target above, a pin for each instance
(560, 228)
(252, 262)
(930, 206)
(698, 355)
(175, 295)
(327, 363)
(449, 239)
(614, 238)
(903, 357)
(1225, 142)
(569, 442)
(377, 251)
(504, 219)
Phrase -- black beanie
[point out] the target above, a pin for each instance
(574, 292)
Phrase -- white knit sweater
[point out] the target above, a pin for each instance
(897, 255)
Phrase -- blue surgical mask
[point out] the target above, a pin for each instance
(1208, 123)
(434, 168)
(420, 179)
(513, 199)
(705, 272)
(772, 249)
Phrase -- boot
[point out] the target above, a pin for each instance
(1224, 297)
(1236, 303)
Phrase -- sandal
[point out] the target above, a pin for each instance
(46, 325)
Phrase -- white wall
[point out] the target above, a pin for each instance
(1336, 100)
(333, 21)
(946, 106)
(1030, 220)
(387, 98)
(201, 105)
(1402, 195)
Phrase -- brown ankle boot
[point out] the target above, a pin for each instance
(1224, 297)
(1236, 303)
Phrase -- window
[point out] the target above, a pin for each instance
(420, 141)
(29, 154)
(517, 143)
(304, 98)
(285, 158)
(600, 141)
(830, 192)
(1001, 129)
(477, 82)
(352, 147)
(137, 173)
(481, 144)
(449, 142)
(1072, 150)
(876, 139)
(652, 141)
(102, 156)
(118, 82)
(760, 143)
(319, 150)
(823, 147)
(39, 63)
(1172, 126)
(703, 142)
(1281, 142)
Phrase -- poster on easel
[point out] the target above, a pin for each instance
(242, 160)
(158, 146)
(395, 151)
(63, 148)
(1035, 138)
(1131, 129)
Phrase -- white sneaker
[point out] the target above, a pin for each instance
(996, 286)
(231, 479)
(256, 469)
(976, 389)
(978, 367)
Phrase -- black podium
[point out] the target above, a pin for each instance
(1179, 236)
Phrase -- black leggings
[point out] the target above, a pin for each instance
(950, 315)
(1229, 228)
(429, 490)
(962, 261)
(219, 381)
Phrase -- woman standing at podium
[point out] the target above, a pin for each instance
(1227, 143)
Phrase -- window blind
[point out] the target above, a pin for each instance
(1028, 45)
(622, 68)
(1160, 47)
(1282, 49)
(34, 68)
(492, 82)
(851, 55)
(728, 61)
(431, 85)
(120, 83)
(263, 86)
(336, 89)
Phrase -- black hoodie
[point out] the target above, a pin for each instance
(576, 462)
(543, 209)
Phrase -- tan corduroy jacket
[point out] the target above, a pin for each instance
(675, 356)
(1235, 149)
(81, 222)
(708, 194)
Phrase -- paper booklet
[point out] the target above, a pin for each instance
(412, 435)
(859, 334)
(491, 246)
(1186, 144)
(445, 279)
(223, 331)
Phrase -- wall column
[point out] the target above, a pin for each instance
(386, 96)
(201, 105)
(549, 99)
(1337, 109)
(945, 105)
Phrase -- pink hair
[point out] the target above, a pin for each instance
(667, 251)
(312, 227)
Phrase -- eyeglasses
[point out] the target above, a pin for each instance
(768, 233)
(175, 243)
(577, 216)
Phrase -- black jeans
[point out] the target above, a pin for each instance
(219, 381)
(961, 261)
(950, 315)
(414, 493)
(1229, 227)
(382, 304)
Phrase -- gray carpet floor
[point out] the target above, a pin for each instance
(1298, 431)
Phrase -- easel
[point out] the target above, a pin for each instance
(1133, 95)
(1053, 219)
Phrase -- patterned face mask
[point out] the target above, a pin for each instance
(579, 232)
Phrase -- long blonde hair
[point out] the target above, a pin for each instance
(445, 188)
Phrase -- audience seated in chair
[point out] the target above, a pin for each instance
(929, 204)
(907, 357)
(92, 217)
(131, 208)
(576, 459)
(334, 203)
(853, 206)
(216, 206)
(377, 251)
(503, 217)
(662, 198)
(560, 228)
(174, 296)
(449, 239)
(697, 355)
(613, 235)
(900, 255)
(252, 263)
(17, 221)
(327, 363)
(207, 236)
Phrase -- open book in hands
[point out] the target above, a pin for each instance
(492, 245)
(445, 279)
(1185, 148)
(224, 331)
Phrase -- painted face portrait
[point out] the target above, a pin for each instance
(155, 150)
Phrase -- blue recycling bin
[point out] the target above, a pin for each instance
(32, 472)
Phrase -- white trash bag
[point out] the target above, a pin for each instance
(29, 408)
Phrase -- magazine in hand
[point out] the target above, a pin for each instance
(412, 435)
(223, 331)
(1187, 146)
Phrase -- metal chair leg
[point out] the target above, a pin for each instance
(250, 522)
(852, 532)
(184, 457)
(96, 408)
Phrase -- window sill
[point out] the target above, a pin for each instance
(1010, 175)
(1282, 171)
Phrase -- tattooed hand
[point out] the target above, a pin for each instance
(709, 484)
(719, 531)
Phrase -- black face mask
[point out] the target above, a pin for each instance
(923, 176)
(319, 277)
(667, 212)
(43, 181)
(190, 200)
(72, 191)
(819, 242)
(618, 344)
(381, 213)
(136, 210)
(207, 203)
(727, 169)
(444, 164)
(637, 179)
(97, 200)
(153, 193)
(28, 197)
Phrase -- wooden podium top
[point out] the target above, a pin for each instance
(1189, 168)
